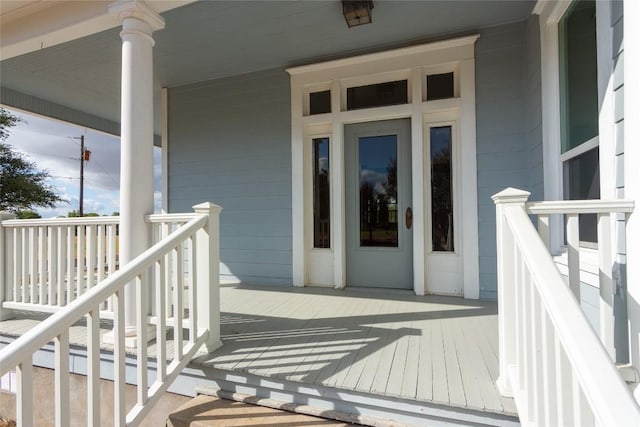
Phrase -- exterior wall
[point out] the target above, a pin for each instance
(230, 143)
(508, 115)
(619, 271)
(533, 112)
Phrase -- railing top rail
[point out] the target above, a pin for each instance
(580, 207)
(582, 346)
(174, 217)
(92, 220)
(44, 332)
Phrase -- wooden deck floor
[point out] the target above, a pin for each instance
(430, 349)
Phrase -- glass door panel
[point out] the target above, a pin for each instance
(378, 160)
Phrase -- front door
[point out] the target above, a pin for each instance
(378, 204)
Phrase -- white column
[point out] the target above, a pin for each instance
(631, 171)
(139, 21)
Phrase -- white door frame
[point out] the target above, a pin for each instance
(327, 266)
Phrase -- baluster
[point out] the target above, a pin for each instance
(178, 306)
(14, 261)
(193, 291)
(61, 260)
(161, 325)
(91, 255)
(529, 349)
(581, 410)
(141, 282)
(5, 265)
(573, 254)
(52, 251)
(111, 253)
(10, 276)
(605, 264)
(119, 408)
(24, 393)
(61, 373)
(71, 266)
(33, 264)
(167, 271)
(543, 229)
(41, 273)
(101, 252)
(519, 317)
(93, 367)
(549, 396)
(80, 261)
(536, 319)
(24, 263)
(564, 378)
(100, 255)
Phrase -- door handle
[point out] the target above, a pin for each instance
(408, 218)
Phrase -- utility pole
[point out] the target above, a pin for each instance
(81, 208)
(84, 157)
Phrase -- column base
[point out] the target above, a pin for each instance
(131, 339)
(6, 314)
(504, 386)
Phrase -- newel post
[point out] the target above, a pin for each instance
(6, 257)
(506, 281)
(208, 274)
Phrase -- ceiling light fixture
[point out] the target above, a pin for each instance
(357, 12)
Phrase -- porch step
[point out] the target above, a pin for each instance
(209, 411)
(343, 405)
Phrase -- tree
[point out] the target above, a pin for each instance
(27, 215)
(22, 185)
(76, 214)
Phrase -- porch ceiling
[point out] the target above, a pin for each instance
(213, 39)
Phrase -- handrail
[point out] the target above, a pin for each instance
(606, 392)
(580, 207)
(172, 217)
(551, 361)
(83, 220)
(41, 334)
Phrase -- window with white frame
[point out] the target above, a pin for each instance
(579, 110)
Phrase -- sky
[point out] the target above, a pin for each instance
(53, 146)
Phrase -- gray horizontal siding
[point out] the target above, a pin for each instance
(230, 144)
(508, 116)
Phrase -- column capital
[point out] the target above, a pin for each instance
(139, 10)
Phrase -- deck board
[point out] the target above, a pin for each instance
(440, 350)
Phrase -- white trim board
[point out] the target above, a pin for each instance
(413, 64)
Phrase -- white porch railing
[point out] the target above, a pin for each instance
(200, 233)
(48, 263)
(551, 360)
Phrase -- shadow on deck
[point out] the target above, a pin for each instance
(439, 350)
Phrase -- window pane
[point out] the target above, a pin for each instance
(320, 102)
(378, 95)
(439, 86)
(582, 182)
(441, 189)
(579, 77)
(378, 160)
(321, 202)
